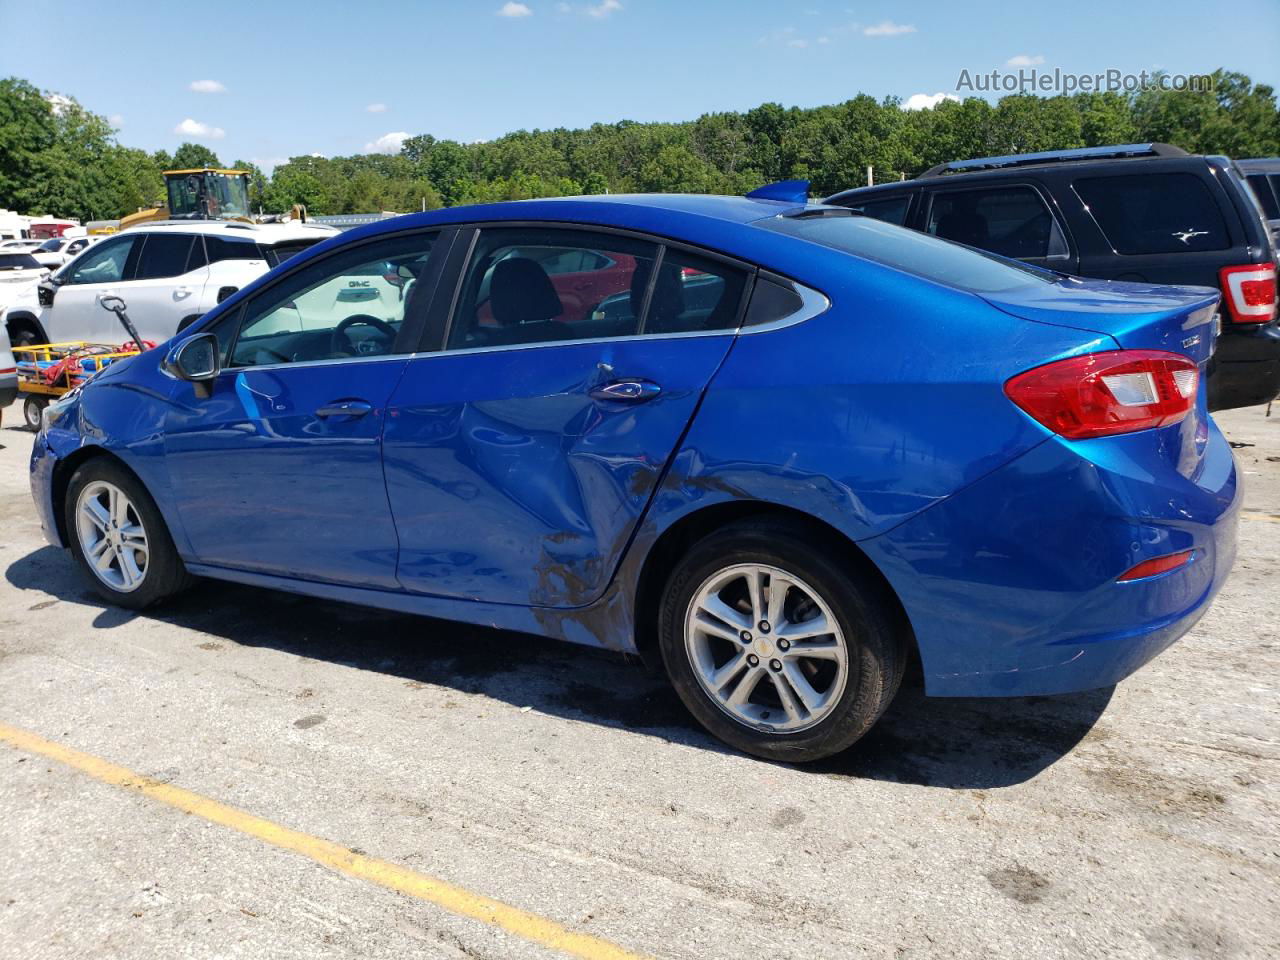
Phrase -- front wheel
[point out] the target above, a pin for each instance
(119, 538)
(32, 410)
(775, 645)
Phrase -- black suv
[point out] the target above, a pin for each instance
(1143, 212)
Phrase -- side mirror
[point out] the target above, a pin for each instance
(195, 360)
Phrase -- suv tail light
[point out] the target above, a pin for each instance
(1101, 394)
(1250, 292)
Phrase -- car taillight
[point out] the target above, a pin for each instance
(1101, 394)
(1249, 292)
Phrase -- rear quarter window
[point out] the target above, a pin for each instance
(1155, 213)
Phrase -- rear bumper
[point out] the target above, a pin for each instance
(1010, 585)
(1246, 367)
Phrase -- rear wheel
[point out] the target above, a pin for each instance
(119, 538)
(32, 409)
(775, 645)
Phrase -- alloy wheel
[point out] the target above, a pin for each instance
(112, 537)
(766, 648)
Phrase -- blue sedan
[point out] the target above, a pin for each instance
(777, 447)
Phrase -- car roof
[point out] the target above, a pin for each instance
(671, 214)
(259, 232)
(1028, 171)
(721, 224)
(1260, 165)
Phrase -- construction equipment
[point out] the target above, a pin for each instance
(203, 194)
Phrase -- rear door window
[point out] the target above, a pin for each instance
(1155, 213)
(1011, 221)
(692, 294)
(538, 284)
(163, 255)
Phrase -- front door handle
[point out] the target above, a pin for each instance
(627, 391)
(181, 293)
(345, 408)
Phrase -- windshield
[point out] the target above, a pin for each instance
(51, 246)
(19, 261)
(924, 256)
(199, 196)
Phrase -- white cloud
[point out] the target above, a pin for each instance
(824, 39)
(116, 120)
(1024, 60)
(387, 143)
(376, 108)
(513, 9)
(887, 28)
(798, 44)
(563, 8)
(926, 101)
(206, 86)
(199, 131)
(603, 9)
(58, 103)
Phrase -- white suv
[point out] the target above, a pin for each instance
(167, 273)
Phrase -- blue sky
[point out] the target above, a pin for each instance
(282, 78)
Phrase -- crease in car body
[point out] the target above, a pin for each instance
(759, 519)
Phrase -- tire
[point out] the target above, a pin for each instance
(813, 580)
(32, 410)
(133, 578)
(23, 336)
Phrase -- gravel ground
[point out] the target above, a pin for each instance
(1140, 821)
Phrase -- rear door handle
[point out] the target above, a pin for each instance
(626, 391)
(345, 408)
(181, 293)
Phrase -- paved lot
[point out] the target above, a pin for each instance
(1142, 821)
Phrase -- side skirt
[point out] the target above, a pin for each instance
(605, 623)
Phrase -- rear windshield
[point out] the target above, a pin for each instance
(1155, 213)
(912, 252)
(18, 261)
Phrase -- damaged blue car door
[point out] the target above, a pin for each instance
(279, 471)
(520, 455)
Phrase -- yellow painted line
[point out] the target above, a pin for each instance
(1248, 515)
(521, 923)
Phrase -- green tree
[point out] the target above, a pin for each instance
(194, 156)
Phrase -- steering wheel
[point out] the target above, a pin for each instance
(341, 343)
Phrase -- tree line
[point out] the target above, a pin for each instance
(56, 157)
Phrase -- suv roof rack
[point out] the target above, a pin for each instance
(1057, 156)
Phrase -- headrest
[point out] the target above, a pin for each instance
(521, 292)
